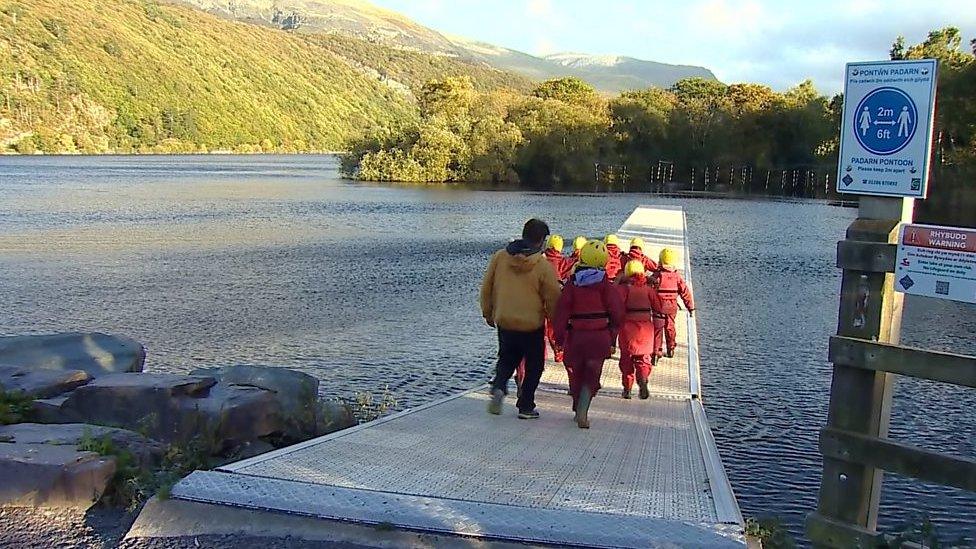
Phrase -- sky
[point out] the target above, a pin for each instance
(779, 43)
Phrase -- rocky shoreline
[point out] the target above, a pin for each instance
(82, 424)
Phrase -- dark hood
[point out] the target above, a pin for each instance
(521, 247)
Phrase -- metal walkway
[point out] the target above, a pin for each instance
(646, 474)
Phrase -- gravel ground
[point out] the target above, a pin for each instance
(100, 527)
(103, 528)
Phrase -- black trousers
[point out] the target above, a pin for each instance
(512, 348)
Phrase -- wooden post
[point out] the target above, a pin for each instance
(860, 400)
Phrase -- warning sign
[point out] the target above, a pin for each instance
(937, 262)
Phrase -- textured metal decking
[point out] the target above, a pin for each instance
(646, 474)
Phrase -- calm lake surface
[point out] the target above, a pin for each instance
(274, 260)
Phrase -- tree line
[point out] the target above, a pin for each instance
(560, 134)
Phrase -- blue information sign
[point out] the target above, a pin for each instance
(886, 134)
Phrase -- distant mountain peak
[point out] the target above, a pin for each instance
(361, 19)
(573, 59)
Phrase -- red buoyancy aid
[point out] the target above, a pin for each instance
(638, 254)
(613, 261)
(589, 310)
(670, 285)
(643, 302)
(560, 263)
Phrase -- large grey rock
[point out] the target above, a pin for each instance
(147, 403)
(231, 415)
(51, 410)
(98, 354)
(52, 476)
(173, 408)
(147, 452)
(332, 416)
(41, 383)
(141, 384)
(296, 393)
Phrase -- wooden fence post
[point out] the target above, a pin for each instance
(860, 400)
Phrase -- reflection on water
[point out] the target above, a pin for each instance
(273, 260)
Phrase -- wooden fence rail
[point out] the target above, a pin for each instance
(896, 457)
(907, 361)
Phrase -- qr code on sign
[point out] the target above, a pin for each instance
(941, 287)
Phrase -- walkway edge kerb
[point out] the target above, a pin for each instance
(488, 521)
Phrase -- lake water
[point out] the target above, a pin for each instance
(274, 260)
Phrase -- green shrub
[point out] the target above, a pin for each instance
(56, 27)
(133, 483)
(15, 407)
(770, 531)
(366, 406)
(112, 48)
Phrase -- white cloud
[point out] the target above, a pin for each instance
(543, 46)
(777, 42)
(539, 8)
(783, 43)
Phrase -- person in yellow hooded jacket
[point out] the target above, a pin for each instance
(518, 294)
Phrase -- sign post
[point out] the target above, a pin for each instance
(886, 132)
(885, 144)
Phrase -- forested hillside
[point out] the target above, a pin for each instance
(707, 135)
(137, 75)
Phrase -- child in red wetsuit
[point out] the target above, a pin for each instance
(554, 255)
(564, 268)
(588, 315)
(637, 341)
(670, 285)
(613, 266)
(636, 251)
(578, 244)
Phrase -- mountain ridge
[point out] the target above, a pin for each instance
(363, 20)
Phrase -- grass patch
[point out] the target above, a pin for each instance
(15, 407)
(367, 406)
(133, 483)
(770, 531)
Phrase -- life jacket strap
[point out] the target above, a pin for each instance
(589, 316)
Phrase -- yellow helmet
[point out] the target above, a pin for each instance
(578, 243)
(634, 267)
(667, 257)
(611, 239)
(556, 242)
(594, 254)
(637, 242)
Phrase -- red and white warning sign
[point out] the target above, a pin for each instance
(937, 262)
